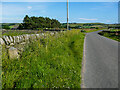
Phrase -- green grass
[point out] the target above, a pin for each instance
(87, 30)
(115, 30)
(11, 27)
(54, 62)
(0, 33)
(111, 35)
(18, 32)
(93, 30)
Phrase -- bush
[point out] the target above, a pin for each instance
(97, 28)
(5, 27)
(83, 31)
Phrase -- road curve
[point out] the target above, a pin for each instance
(100, 64)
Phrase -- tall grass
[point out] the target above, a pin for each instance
(53, 62)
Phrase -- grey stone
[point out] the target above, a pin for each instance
(11, 39)
(2, 41)
(16, 39)
(13, 53)
(26, 37)
(11, 44)
(20, 39)
(6, 39)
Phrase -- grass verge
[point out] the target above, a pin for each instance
(111, 35)
(53, 62)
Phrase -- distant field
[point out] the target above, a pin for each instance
(87, 30)
(11, 25)
(85, 24)
(91, 30)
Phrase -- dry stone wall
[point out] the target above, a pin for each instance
(11, 41)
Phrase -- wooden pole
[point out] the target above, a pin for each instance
(67, 17)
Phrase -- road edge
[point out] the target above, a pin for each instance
(83, 64)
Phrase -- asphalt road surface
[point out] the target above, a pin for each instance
(100, 68)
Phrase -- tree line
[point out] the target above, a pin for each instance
(39, 23)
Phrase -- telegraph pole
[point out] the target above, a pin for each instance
(67, 17)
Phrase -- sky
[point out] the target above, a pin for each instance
(60, 0)
(79, 12)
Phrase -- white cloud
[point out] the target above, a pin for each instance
(108, 21)
(29, 7)
(88, 19)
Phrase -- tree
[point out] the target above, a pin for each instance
(20, 26)
(5, 27)
(26, 19)
(39, 22)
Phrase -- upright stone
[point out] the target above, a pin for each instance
(13, 53)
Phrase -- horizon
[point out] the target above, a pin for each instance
(79, 12)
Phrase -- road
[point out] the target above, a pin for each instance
(100, 64)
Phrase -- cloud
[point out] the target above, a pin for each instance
(29, 7)
(88, 19)
(108, 21)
